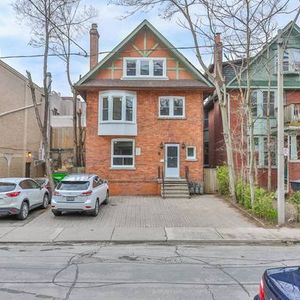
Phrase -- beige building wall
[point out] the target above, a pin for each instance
(19, 132)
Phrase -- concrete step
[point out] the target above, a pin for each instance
(175, 183)
(176, 188)
(185, 196)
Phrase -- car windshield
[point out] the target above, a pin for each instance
(73, 185)
(7, 187)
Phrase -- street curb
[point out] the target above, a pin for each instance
(282, 242)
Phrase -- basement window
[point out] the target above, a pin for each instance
(122, 153)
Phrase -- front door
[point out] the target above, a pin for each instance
(172, 160)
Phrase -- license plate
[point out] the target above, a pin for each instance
(70, 198)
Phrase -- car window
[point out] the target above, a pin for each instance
(7, 186)
(25, 185)
(73, 185)
(96, 182)
(33, 184)
(41, 181)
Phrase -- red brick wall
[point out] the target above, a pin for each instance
(151, 132)
(292, 97)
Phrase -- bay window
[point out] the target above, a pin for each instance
(144, 67)
(171, 107)
(122, 153)
(117, 106)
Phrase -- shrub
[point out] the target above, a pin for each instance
(223, 180)
(295, 199)
(263, 204)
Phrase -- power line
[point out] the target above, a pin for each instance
(53, 24)
(123, 51)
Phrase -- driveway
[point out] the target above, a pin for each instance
(200, 211)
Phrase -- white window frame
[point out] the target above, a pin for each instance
(110, 95)
(191, 157)
(138, 68)
(289, 52)
(260, 103)
(130, 156)
(171, 107)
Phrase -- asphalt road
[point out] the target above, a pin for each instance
(105, 271)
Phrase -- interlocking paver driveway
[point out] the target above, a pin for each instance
(200, 211)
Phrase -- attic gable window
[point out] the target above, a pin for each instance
(291, 60)
(144, 67)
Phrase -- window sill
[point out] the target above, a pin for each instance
(171, 118)
(123, 168)
(144, 78)
(294, 161)
(117, 122)
(191, 159)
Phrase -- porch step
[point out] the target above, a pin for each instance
(175, 188)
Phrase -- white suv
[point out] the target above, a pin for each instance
(79, 193)
(19, 195)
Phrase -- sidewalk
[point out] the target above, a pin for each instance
(236, 235)
(202, 219)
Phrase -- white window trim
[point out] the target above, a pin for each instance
(112, 154)
(289, 51)
(138, 69)
(116, 93)
(260, 102)
(191, 158)
(171, 107)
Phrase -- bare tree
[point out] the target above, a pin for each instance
(248, 26)
(74, 18)
(42, 16)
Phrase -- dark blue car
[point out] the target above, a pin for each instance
(280, 284)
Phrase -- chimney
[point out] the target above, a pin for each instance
(218, 56)
(94, 45)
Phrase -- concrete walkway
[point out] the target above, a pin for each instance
(146, 219)
(155, 234)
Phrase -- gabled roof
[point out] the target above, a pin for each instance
(18, 74)
(261, 52)
(160, 37)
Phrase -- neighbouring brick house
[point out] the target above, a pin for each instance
(262, 71)
(144, 113)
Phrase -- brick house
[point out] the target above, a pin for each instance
(20, 137)
(144, 113)
(262, 73)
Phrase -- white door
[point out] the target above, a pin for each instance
(172, 160)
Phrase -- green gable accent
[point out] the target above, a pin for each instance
(189, 66)
(262, 68)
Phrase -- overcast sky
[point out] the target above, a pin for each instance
(14, 39)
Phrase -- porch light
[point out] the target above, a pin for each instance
(29, 154)
(161, 146)
(183, 145)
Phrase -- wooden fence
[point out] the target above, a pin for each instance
(210, 181)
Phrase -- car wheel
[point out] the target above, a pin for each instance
(24, 210)
(56, 213)
(106, 198)
(95, 211)
(45, 201)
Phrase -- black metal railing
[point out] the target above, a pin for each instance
(187, 177)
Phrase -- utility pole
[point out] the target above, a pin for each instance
(280, 133)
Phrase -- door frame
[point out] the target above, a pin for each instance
(166, 159)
